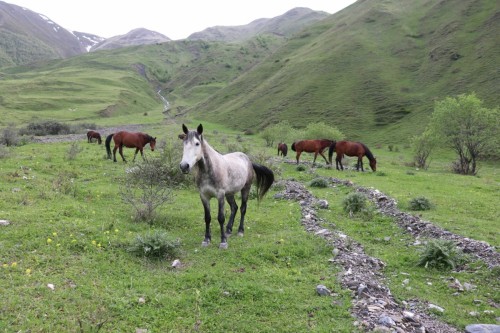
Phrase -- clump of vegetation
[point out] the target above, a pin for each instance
(301, 167)
(441, 254)
(154, 245)
(420, 203)
(146, 187)
(9, 137)
(422, 148)
(354, 202)
(319, 182)
(73, 151)
(46, 128)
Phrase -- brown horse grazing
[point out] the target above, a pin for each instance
(135, 140)
(312, 146)
(283, 149)
(93, 135)
(351, 148)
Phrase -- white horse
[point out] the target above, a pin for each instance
(221, 176)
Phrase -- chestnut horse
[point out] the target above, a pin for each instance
(312, 146)
(93, 135)
(222, 177)
(351, 148)
(135, 140)
(283, 149)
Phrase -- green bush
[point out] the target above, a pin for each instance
(354, 202)
(441, 254)
(319, 182)
(420, 203)
(300, 167)
(154, 245)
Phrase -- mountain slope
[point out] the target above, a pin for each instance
(287, 24)
(373, 70)
(26, 36)
(139, 36)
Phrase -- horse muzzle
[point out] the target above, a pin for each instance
(184, 167)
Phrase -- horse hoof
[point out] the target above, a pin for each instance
(228, 234)
(223, 246)
(240, 234)
(205, 243)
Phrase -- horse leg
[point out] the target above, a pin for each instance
(221, 218)
(135, 154)
(298, 156)
(315, 155)
(321, 153)
(206, 209)
(234, 209)
(338, 160)
(120, 150)
(243, 210)
(360, 162)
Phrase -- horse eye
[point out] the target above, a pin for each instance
(197, 143)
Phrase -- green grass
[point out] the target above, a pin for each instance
(259, 283)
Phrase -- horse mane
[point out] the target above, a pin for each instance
(368, 153)
(293, 146)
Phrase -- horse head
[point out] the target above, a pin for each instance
(192, 152)
(152, 143)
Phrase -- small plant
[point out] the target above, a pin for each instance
(420, 203)
(319, 182)
(9, 137)
(441, 254)
(301, 167)
(155, 245)
(354, 202)
(73, 151)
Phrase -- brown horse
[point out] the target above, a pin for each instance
(312, 146)
(351, 148)
(93, 135)
(283, 149)
(135, 140)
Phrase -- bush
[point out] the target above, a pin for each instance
(73, 151)
(46, 128)
(441, 254)
(420, 203)
(301, 167)
(9, 137)
(354, 202)
(146, 187)
(155, 245)
(319, 182)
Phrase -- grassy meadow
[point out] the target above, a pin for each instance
(65, 264)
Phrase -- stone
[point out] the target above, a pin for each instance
(482, 328)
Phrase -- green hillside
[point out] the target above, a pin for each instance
(119, 86)
(373, 70)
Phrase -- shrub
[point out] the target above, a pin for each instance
(319, 182)
(146, 187)
(301, 167)
(420, 203)
(354, 202)
(440, 254)
(154, 245)
(73, 151)
(9, 137)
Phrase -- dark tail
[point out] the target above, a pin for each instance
(265, 178)
(108, 144)
(285, 149)
(331, 150)
(293, 146)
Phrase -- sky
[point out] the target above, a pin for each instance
(175, 19)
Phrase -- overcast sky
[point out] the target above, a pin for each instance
(174, 19)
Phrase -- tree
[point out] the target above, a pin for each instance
(422, 147)
(467, 127)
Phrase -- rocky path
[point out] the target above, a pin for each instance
(374, 306)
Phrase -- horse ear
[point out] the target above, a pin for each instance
(200, 129)
(182, 136)
(184, 129)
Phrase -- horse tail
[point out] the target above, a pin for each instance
(265, 178)
(331, 150)
(368, 153)
(285, 149)
(293, 146)
(108, 144)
